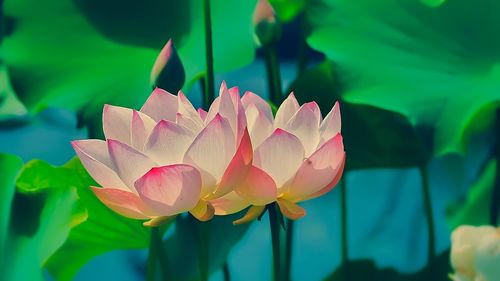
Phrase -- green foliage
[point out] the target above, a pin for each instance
(373, 137)
(475, 209)
(288, 10)
(435, 64)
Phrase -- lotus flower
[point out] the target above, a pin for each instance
(297, 156)
(475, 253)
(168, 158)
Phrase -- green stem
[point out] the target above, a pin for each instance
(495, 198)
(288, 249)
(275, 235)
(227, 274)
(302, 50)
(209, 56)
(426, 191)
(156, 256)
(202, 232)
(273, 74)
(344, 232)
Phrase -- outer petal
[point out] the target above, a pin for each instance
(238, 167)
(291, 210)
(130, 164)
(331, 125)
(253, 213)
(142, 125)
(280, 156)
(258, 188)
(95, 158)
(168, 143)
(211, 152)
(204, 211)
(116, 123)
(305, 125)
(487, 258)
(259, 126)
(331, 185)
(318, 171)
(286, 110)
(170, 190)
(250, 99)
(161, 105)
(229, 204)
(125, 203)
(202, 113)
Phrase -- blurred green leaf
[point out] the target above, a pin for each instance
(437, 65)
(10, 106)
(287, 10)
(182, 251)
(475, 209)
(102, 231)
(373, 137)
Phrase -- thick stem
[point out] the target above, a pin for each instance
(495, 198)
(275, 235)
(302, 50)
(202, 232)
(227, 274)
(209, 56)
(343, 227)
(288, 250)
(273, 74)
(426, 191)
(156, 256)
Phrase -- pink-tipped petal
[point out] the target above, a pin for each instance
(130, 164)
(95, 158)
(160, 62)
(125, 203)
(331, 185)
(170, 190)
(280, 156)
(161, 105)
(204, 211)
(263, 12)
(168, 143)
(304, 124)
(258, 188)
(331, 125)
(116, 123)
(141, 127)
(211, 152)
(229, 204)
(286, 110)
(259, 126)
(250, 98)
(202, 113)
(188, 111)
(224, 106)
(252, 214)
(238, 167)
(291, 210)
(318, 171)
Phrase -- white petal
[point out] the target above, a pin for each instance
(305, 125)
(168, 143)
(116, 123)
(259, 126)
(285, 112)
(161, 105)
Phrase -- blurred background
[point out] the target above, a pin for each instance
(418, 82)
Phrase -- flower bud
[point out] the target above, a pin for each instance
(168, 72)
(267, 28)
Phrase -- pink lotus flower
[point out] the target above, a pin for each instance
(168, 158)
(297, 156)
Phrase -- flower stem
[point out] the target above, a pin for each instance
(288, 249)
(428, 212)
(273, 74)
(343, 227)
(202, 232)
(495, 198)
(275, 235)
(156, 256)
(209, 95)
(227, 274)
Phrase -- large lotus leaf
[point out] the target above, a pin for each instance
(80, 55)
(287, 10)
(102, 231)
(10, 106)
(475, 208)
(373, 137)
(436, 64)
(39, 222)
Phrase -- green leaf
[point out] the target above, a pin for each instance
(475, 209)
(373, 137)
(182, 246)
(102, 231)
(287, 10)
(10, 106)
(436, 65)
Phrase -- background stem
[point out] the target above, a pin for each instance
(209, 83)
(428, 212)
(288, 249)
(273, 74)
(156, 256)
(495, 198)
(275, 235)
(344, 232)
(202, 233)
(227, 274)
